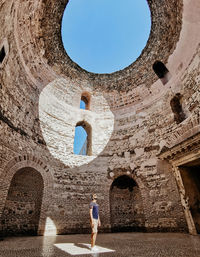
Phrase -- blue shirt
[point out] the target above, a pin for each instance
(95, 210)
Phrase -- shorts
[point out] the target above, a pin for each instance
(94, 229)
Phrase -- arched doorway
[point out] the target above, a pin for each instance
(21, 213)
(126, 206)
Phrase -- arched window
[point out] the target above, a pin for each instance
(2, 54)
(83, 139)
(177, 109)
(161, 71)
(82, 105)
(85, 101)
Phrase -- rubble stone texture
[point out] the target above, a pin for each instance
(22, 208)
(137, 130)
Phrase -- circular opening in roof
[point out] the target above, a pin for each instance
(104, 36)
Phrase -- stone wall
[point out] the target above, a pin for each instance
(21, 213)
(126, 205)
(131, 117)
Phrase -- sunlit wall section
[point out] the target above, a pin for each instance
(50, 228)
(59, 112)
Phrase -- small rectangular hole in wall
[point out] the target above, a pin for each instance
(2, 54)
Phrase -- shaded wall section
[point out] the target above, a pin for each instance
(21, 213)
(126, 205)
(191, 181)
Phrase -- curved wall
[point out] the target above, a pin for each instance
(22, 208)
(131, 116)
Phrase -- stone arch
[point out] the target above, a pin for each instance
(126, 205)
(86, 98)
(37, 164)
(22, 208)
(87, 127)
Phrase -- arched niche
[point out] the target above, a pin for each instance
(177, 109)
(126, 207)
(21, 213)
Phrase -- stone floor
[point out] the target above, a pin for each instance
(111, 245)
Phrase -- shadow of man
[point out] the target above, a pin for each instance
(80, 245)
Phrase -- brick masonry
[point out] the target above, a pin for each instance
(130, 116)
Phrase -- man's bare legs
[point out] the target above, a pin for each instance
(93, 239)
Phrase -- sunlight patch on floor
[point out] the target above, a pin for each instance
(79, 249)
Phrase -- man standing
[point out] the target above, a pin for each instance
(94, 221)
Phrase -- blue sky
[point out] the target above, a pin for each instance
(104, 36)
(79, 139)
(80, 134)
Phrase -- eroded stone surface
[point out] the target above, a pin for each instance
(130, 114)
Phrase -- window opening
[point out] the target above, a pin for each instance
(2, 54)
(82, 105)
(82, 139)
(85, 101)
(161, 71)
(92, 33)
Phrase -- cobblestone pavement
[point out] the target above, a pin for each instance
(122, 244)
